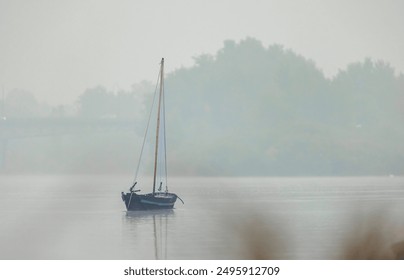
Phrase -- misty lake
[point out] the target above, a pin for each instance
(83, 217)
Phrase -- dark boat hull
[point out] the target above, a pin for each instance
(149, 201)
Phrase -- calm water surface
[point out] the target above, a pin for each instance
(83, 217)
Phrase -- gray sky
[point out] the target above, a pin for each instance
(57, 49)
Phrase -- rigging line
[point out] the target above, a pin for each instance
(147, 129)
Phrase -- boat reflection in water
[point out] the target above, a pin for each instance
(156, 222)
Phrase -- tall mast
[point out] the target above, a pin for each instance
(158, 124)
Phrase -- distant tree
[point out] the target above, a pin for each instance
(368, 93)
(20, 103)
(96, 102)
(58, 112)
(131, 104)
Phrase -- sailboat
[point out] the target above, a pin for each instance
(157, 199)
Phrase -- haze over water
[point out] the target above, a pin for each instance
(83, 217)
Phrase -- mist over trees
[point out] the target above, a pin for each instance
(98, 102)
(252, 110)
(22, 104)
(258, 111)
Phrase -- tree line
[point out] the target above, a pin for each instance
(256, 110)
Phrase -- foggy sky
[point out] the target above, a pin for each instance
(57, 49)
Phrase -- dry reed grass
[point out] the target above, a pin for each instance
(260, 241)
(367, 238)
